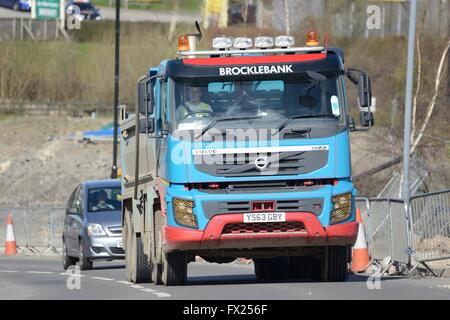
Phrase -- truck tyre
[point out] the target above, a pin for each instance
(156, 272)
(301, 267)
(84, 262)
(279, 268)
(262, 268)
(136, 261)
(174, 269)
(274, 268)
(335, 264)
(67, 261)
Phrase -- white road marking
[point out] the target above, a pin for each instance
(148, 290)
(73, 275)
(40, 272)
(162, 294)
(8, 271)
(125, 282)
(136, 286)
(100, 278)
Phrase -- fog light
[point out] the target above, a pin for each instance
(183, 211)
(342, 208)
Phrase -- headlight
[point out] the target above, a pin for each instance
(183, 211)
(95, 229)
(342, 208)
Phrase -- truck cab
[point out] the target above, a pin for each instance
(242, 152)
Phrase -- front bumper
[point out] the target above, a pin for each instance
(213, 237)
(105, 248)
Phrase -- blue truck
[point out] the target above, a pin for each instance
(242, 151)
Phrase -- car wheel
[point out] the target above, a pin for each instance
(85, 263)
(67, 260)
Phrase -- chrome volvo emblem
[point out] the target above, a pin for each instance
(261, 163)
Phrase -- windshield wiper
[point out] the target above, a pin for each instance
(214, 122)
(301, 116)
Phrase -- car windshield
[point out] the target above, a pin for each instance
(273, 101)
(84, 6)
(104, 199)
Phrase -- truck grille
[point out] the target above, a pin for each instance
(281, 163)
(213, 208)
(262, 228)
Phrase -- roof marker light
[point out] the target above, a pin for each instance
(264, 42)
(243, 43)
(284, 41)
(183, 43)
(222, 43)
(312, 39)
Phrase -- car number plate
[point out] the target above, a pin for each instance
(262, 217)
(119, 244)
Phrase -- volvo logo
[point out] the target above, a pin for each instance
(262, 163)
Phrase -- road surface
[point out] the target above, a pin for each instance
(125, 15)
(43, 278)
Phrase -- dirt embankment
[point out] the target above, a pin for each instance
(40, 164)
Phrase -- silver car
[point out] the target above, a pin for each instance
(93, 224)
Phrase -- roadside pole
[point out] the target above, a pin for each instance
(116, 90)
(406, 191)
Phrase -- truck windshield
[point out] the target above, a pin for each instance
(271, 101)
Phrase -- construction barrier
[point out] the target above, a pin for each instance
(37, 230)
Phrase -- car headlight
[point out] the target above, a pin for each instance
(95, 229)
(342, 208)
(183, 211)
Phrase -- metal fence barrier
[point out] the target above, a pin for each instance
(417, 236)
(430, 227)
(38, 230)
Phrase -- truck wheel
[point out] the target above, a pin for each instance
(275, 268)
(85, 263)
(136, 261)
(334, 265)
(174, 269)
(301, 267)
(262, 268)
(156, 273)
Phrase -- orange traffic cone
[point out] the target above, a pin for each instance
(10, 245)
(360, 252)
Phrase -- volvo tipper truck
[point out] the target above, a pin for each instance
(242, 151)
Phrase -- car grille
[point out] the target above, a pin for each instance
(116, 250)
(263, 228)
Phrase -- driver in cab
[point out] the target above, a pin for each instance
(194, 107)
